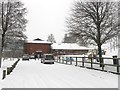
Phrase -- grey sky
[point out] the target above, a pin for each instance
(46, 17)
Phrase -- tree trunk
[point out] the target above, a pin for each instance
(1, 37)
(99, 41)
(100, 54)
(1, 51)
(1, 58)
(119, 50)
(0, 62)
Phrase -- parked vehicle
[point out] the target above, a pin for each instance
(25, 57)
(32, 56)
(48, 58)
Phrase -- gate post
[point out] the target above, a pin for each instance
(4, 74)
(118, 66)
(71, 60)
(76, 62)
(91, 63)
(83, 59)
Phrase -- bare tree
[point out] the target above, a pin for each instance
(69, 39)
(12, 21)
(51, 38)
(95, 22)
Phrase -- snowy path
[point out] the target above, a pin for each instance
(33, 74)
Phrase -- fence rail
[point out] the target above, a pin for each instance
(9, 69)
(92, 63)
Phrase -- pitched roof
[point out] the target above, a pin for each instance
(38, 41)
(69, 46)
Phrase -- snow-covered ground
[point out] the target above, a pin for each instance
(109, 54)
(33, 74)
(6, 63)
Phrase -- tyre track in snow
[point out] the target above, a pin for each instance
(33, 74)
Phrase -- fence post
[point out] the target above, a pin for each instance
(66, 61)
(91, 63)
(62, 61)
(102, 64)
(83, 59)
(58, 58)
(76, 61)
(4, 74)
(8, 70)
(71, 60)
(118, 66)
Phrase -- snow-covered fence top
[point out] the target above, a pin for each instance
(6, 63)
(109, 64)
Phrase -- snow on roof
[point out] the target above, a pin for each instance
(69, 46)
(38, 41)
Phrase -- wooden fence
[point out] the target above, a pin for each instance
(9, 69)
(92, 63)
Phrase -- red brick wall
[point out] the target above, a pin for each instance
(33, 47)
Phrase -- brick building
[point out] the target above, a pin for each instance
(37, 46)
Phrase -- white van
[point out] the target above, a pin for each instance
(48, 58)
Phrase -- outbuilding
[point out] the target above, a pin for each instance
(37, 47)
(69, 49)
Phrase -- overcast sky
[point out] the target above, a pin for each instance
(46, 17)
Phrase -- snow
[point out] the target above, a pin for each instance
(33, 74)
(69, 46)
(33, 41)
(6, 63)
(109, 54)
